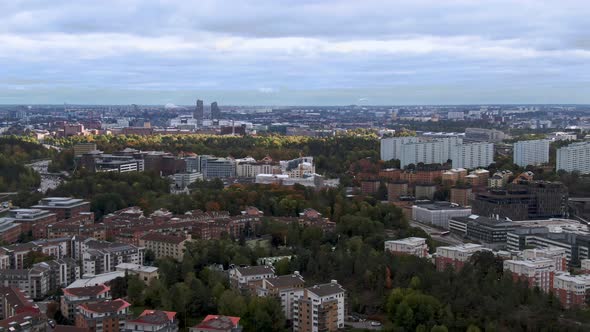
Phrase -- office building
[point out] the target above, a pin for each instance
(391, 148)
(83, 148)
(486, 230)
(182, 180)
(533, 152)
(153, 321)
(9, 230)
(199, 112)
(484, 135)
(212, 167)
(574, 158)
(34, 221)
(533, 200)
(63, 207)
(415, 246)
(215, 112)
(320, 308)
(438, 213)
(105, 316)
(472, 155)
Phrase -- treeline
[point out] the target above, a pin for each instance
(333, 155)
(15, 152)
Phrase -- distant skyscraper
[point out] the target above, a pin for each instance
(199, 112)
(215, 113)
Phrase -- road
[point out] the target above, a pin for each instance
(48, 180)
(433, 232)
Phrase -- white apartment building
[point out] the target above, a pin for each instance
(533, 152)
(571, 289)
(430, 152)
(415, 246)
(574, 157)
(391, 147)
(537, 271)
(472, 155)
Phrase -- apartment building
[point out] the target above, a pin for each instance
(63, 207)
(75, 296)
(571, 290)
(153, 321)
(9, 231)
(537, 272)
(455, 256)
(145, 273)
(472, 155)
(286, 289)
(34, 281)
(574, 157)
(415, 246)
(532, 152)
(100, 256)
(320, 308)
(14, 301)
(391, 147)
(249, 277)
(484, 135)
(105, 316)
(163, 245)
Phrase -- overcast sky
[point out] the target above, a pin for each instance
(295, 52)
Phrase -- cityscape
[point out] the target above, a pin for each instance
(414, 166)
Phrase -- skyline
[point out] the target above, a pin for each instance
(295, 53)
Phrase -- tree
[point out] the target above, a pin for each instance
(135, 288)
(119, 287)
(231, 304)
(439, 328)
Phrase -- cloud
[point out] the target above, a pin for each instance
(304, 45)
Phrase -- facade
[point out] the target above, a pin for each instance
(182, 180)
(217, 323)
(391, 148)
(165, 245)
(105, 316)
(499, 179)
(35, 281)
(415, 246)
(320, 308)
(99, 257)
(455, 256)
(34, 221)
(73, 297)
(533, 152)
(461, 195)
(14, 301)
(571, 290)
(397, 189)
(145, 273)
(484, 135)
(215, 112)
(9, 231)
(83, 148)
(424, 191)
(212, 167)
(63, 207)
(574, 157)
(153, 321)
(438, 151)
(244, 278)
(472, 155)
(438, 213)
(199, 112)
(286, 289)
(537, 272)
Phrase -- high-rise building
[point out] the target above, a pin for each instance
(320, 308)
(533, 152)
(391, 147)
(574, 157)
(199, 111)
(215, 112)
(472, 155)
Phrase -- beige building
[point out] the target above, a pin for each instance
(145, 273)
(163, 245)
(320, 308)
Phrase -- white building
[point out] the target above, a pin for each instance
(537, 271)
(415, 246)
(431, 152)
(242, 277)
(182, 180)
(391, 147)
(472, 155)
(439, 213)
(574, 157)
(533, 152)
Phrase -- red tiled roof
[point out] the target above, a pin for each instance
(157, 237)
(156, 317)
(87, 291)
(221, 323)
(106, 306)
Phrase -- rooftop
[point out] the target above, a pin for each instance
(158, 237)
(284, 281)
(409, 241)
(255, 270)
(218, 323)
(136, 268)
(155, 317)
(106, 306)
(328, 289)
(86, 291)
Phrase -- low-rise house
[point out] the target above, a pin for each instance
(153, 321)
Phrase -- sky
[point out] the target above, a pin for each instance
(295, 52)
